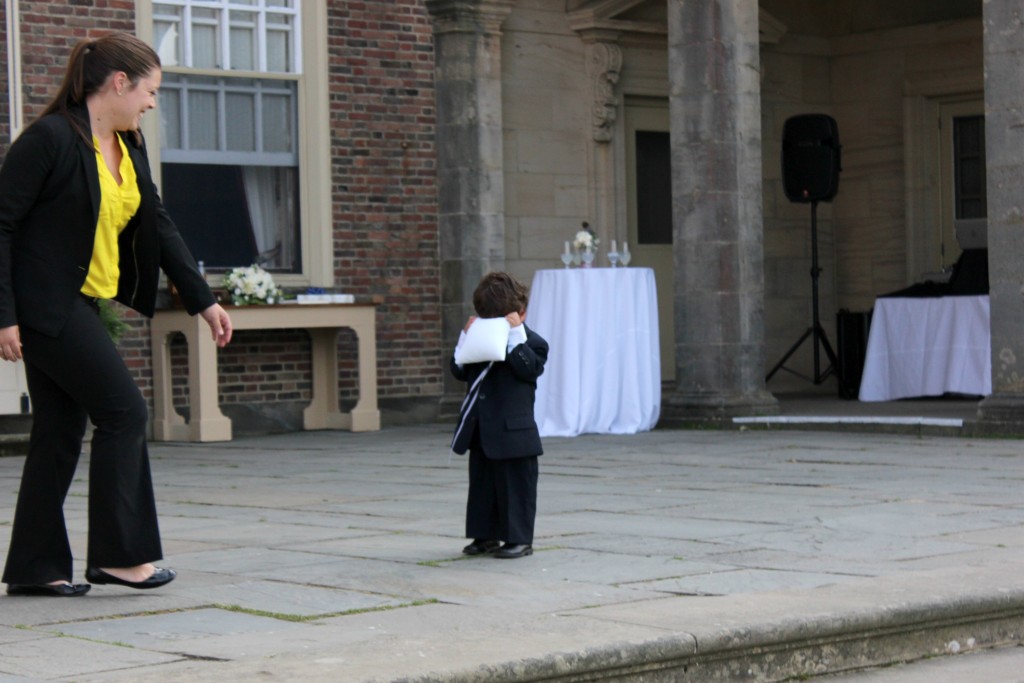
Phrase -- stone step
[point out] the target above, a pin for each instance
(788, 635)
(13, 444)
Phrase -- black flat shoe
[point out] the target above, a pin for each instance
(160, 577)
(479, 547)
(511, 551)
(60, 590)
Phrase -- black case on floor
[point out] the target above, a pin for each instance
(851, 349)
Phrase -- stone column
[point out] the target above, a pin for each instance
(1004, 148)
(604, 64)
(715, 109)
(471, 195)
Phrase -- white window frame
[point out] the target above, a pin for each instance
(316, 225)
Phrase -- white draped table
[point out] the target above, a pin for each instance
(603, 375)
(928, 347)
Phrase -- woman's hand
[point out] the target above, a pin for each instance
(10, 343)
(220, 324)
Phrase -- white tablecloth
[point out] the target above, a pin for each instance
(928, 347)
(603, 375)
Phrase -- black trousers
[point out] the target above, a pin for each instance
(502, 501)
(75, 376)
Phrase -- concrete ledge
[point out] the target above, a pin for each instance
(873, 425)
(13, 444)
(785, 635)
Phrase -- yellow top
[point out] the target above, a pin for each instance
(118, 203)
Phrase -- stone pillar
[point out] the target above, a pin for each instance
(604, 64)
(471, 195)
(715, 110)
(1004, 148)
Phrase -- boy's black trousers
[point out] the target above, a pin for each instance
(502, 501)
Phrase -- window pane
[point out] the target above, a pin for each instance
(280, 32)
(279, 51)
(236, 215)
(170, 117)
(241, 122)
(277, 123)
(243, 41)
(970, 191)
(204, 47)
(167, 34)
(972, 176)
(653, 188)
(202, 120)
(972, 208)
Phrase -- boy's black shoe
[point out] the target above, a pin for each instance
(479, 547)
(510, 551)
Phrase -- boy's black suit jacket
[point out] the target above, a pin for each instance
(49, 206)
(503, 411)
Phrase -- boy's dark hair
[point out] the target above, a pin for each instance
(499, 294)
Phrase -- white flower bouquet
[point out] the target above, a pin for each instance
(251, 285)
(585, 239)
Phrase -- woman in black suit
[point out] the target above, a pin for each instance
(80, 220)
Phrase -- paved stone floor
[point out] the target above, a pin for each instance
(335, 556)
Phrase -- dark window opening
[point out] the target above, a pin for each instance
(653, 187)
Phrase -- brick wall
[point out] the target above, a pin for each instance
(384, 200)
(50, 29)
(385, 212)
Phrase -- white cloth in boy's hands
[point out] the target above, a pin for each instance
(516, 336)
(486, 340)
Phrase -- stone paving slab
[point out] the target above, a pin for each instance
(327, 556)
(56, 658)
(291, 600)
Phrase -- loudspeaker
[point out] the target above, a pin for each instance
(810, 158)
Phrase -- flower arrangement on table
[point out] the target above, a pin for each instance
(585, 239)
(251, 285)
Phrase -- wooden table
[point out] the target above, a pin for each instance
(323, 323)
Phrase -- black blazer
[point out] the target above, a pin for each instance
(49, 206)
(503, 411)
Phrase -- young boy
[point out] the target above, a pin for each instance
(497, 426)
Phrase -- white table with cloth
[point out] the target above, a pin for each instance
(928, 346)
(603, 374)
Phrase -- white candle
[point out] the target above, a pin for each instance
(566, 246)
(613, 245)
(625, 248)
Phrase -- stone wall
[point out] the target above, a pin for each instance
(864, 81)
(546, 117)
(872, 78)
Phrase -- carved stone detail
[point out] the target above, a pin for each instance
(462, 16)
(605, 64)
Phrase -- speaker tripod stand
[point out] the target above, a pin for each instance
(815, 331)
